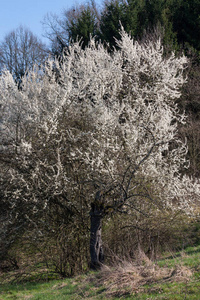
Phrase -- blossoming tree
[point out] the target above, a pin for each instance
(97, 134)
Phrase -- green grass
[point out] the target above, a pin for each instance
(190, 257)
(73, 288)
(88, 286)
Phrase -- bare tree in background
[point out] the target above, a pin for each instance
(19, 51)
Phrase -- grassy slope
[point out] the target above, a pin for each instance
(89, 287)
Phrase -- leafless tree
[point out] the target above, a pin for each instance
(20, 50)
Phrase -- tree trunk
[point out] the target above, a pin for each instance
(96, 249)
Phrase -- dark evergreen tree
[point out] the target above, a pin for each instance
(111, 17)
(84, 26)
(137, 17)
(186, 22)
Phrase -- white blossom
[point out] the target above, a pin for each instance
(100, 119)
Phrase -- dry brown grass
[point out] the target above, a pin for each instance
(130, 276)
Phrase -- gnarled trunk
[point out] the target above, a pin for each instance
(96, 248)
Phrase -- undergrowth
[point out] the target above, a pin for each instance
(175, 277)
